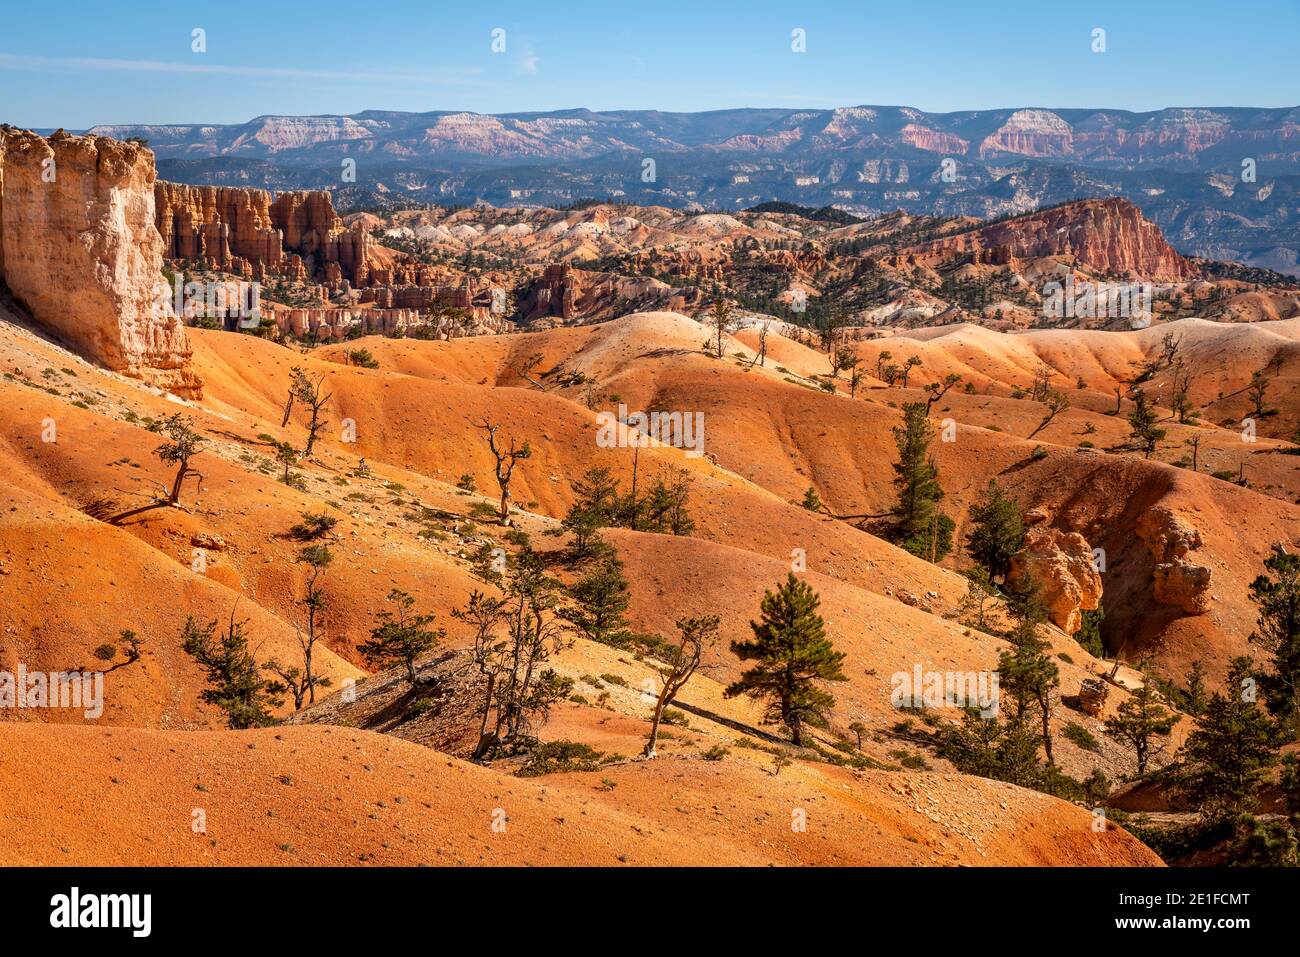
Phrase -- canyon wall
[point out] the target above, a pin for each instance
(80, 252)
(245, 231)
(1108, 235)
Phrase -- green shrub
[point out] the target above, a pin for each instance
(419, 706)
(363, 358)
(313, 526)
(674, 717)
(556, 756)
(1081, 736)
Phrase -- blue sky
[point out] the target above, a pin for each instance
(75, 64)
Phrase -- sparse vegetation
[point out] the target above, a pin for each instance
(402, 636)
(794, 658)
(235, 683)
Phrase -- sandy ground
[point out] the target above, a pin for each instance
(71, 583)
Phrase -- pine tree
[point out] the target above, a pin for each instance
(287, 456)
(1026, 673)
(1231, 749)
(311, 393)
(595, 506)
(722, 323)
(665, 506)
(794, 656)
(997, 532)
(1195, 696)
(236, 686)
(1277, 631)
(1138, 722)
(602, 600)
(401, 638)
(1259, 843)
(316, 604)
(1004, 750)
(1258, 393)
(516, 635)
(921, 528)
(980, 594)
(1143, 421)
(1089, 634)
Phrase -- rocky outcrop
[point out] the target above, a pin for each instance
(1109, 236)
(296, 235)
(564, 295)
(924, 138)
(466, 295)
(79, 251)
(1030, 133)
(324, 325)
(1061, 565)
(1177, 580)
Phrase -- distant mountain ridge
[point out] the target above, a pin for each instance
(1222, 183)
(1192, 137)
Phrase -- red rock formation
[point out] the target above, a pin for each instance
(79, 251)
(1061, 565)
(296, 235)
(574, 295)
(334, 323)
(1177, 580)
(462, 296)
(1108, 235)
(1031, 133)
(924, 138)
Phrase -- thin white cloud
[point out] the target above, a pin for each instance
(14, 61)
(528, 61)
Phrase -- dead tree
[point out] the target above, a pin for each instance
(297, 374)
(695, 636)
(1057, 402)
(310, 392)
(1168, 349)
(526, 367)
(760, 357)
(507, 459)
